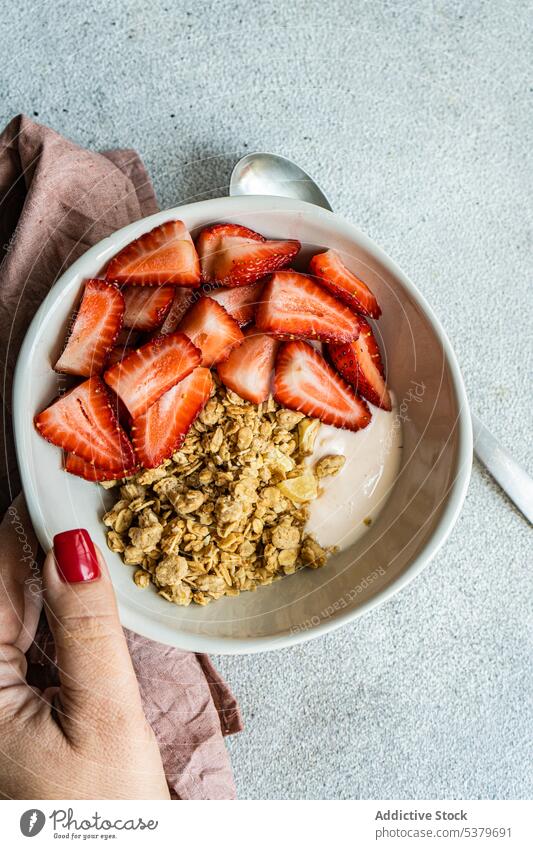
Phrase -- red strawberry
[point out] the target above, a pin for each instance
(183, 299)
(95, 329)
(212, 330)
(333, 274)
(248, 369)
(304, 381)
(145, 375)
(294, 306)
(240, 302)
(208, 244)
(360, 364)
(117, 354)
(83, 422)
(234, 255)
(162, 429)
(164, 255)
(146, 306)
(119, 408)
(76, 466)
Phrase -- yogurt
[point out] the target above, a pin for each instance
(351, 500)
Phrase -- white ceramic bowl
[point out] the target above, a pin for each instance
(416, 520)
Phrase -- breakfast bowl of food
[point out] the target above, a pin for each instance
(253, 411)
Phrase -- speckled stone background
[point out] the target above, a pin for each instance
(414, 117)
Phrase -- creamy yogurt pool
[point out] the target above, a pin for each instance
(359, 491)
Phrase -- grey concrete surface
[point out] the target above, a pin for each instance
(414, 118)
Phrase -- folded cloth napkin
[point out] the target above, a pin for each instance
(56, 201)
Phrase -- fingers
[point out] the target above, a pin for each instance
(20, 582)
(20, 605)
(96, 674)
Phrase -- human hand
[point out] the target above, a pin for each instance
(87, 738)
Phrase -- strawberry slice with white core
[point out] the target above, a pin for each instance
(305, 382)
(341, 282)
(82, 469)
(151, 370)
(236, 256)
(248, 369)
(360, 364)
(83, 422)
(162, 429)
(208, 244)
(95, 329)
(294, 306)
(212, 330)
(241, 301)
(183, 299)
(146, 306)
(164, 255)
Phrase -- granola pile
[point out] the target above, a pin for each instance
(227, 512)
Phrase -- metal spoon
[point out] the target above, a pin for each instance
(269, 174)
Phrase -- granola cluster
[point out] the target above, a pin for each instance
(227, 512)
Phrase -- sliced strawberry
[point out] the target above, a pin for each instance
(183, 299)
(212, 330)
(164, 255)
(76, 466)
(94, 331)
(162, 429)
(117, 354)
(151, 370)
(234, 255)
(333, 274)
(241, 301)
(208, 244)
(360, 364)
(304, 381)
(119, 408)
(83, 423)
(146, 306)
(294, 306)
(248, 369)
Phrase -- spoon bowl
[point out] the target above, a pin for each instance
(269, 174)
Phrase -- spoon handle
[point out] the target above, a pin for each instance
(512, 478)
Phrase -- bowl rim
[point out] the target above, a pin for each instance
(218, 208)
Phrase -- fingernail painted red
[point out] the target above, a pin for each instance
(75, 556)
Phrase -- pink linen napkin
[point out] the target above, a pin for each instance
(56, 201)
